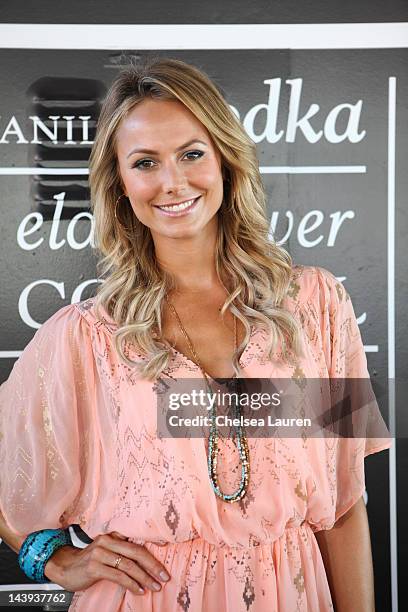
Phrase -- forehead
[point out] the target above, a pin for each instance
(151, 122)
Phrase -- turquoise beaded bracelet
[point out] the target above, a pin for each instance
(38, 547)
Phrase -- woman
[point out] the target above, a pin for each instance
(193, 289)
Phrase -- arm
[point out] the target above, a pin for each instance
(12, 540)
(346, 553)
(77, 569)
(15, 541)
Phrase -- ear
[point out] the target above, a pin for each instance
(226, 176)
(119, 179)
(121, 185)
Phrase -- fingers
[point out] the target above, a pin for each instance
(122, 537)
(119, 535)
(131, 571)
(104, 572)
(137, 562)
(148, 562)
(140, 554)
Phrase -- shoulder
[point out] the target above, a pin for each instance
(68, 326)
(81, 314)
(95, 315)
(315, 284)
(62, 340)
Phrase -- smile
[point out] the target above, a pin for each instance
(172, 209)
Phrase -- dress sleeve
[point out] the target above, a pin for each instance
(363, 431)
(49, 449)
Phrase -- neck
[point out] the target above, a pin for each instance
(190, 261)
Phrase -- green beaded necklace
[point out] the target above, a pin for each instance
(213, 449)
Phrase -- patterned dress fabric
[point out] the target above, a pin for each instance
(78, 445)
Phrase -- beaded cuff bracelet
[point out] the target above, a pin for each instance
(37, 548)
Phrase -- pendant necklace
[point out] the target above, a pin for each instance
(213, 449)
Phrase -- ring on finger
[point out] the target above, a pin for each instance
(118, 560)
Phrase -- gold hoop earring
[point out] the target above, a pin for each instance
(116, 206)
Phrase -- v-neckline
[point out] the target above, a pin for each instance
(197, 367)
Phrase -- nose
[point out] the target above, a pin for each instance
(173, 177)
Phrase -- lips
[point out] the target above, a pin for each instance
(178, 209)
(188, 201)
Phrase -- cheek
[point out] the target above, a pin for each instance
(138, 187)
(206, 175)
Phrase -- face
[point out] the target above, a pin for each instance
(171, 171)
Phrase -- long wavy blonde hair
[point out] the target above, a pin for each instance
(255, 271)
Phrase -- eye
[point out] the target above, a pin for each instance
(141, 164)
(147, 164)
(196, 152)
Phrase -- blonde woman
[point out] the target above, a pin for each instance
(193, 288)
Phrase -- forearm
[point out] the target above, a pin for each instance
(52, 569)
(346, 553)
(10, 538)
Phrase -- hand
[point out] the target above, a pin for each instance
(76, 569)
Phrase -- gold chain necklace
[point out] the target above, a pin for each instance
(213, 449)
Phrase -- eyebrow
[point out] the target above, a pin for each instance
(151, 152)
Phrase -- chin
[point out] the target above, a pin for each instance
(182, 233)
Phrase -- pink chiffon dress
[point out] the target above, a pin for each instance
(79, 445)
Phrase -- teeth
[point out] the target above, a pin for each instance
(177, 207)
